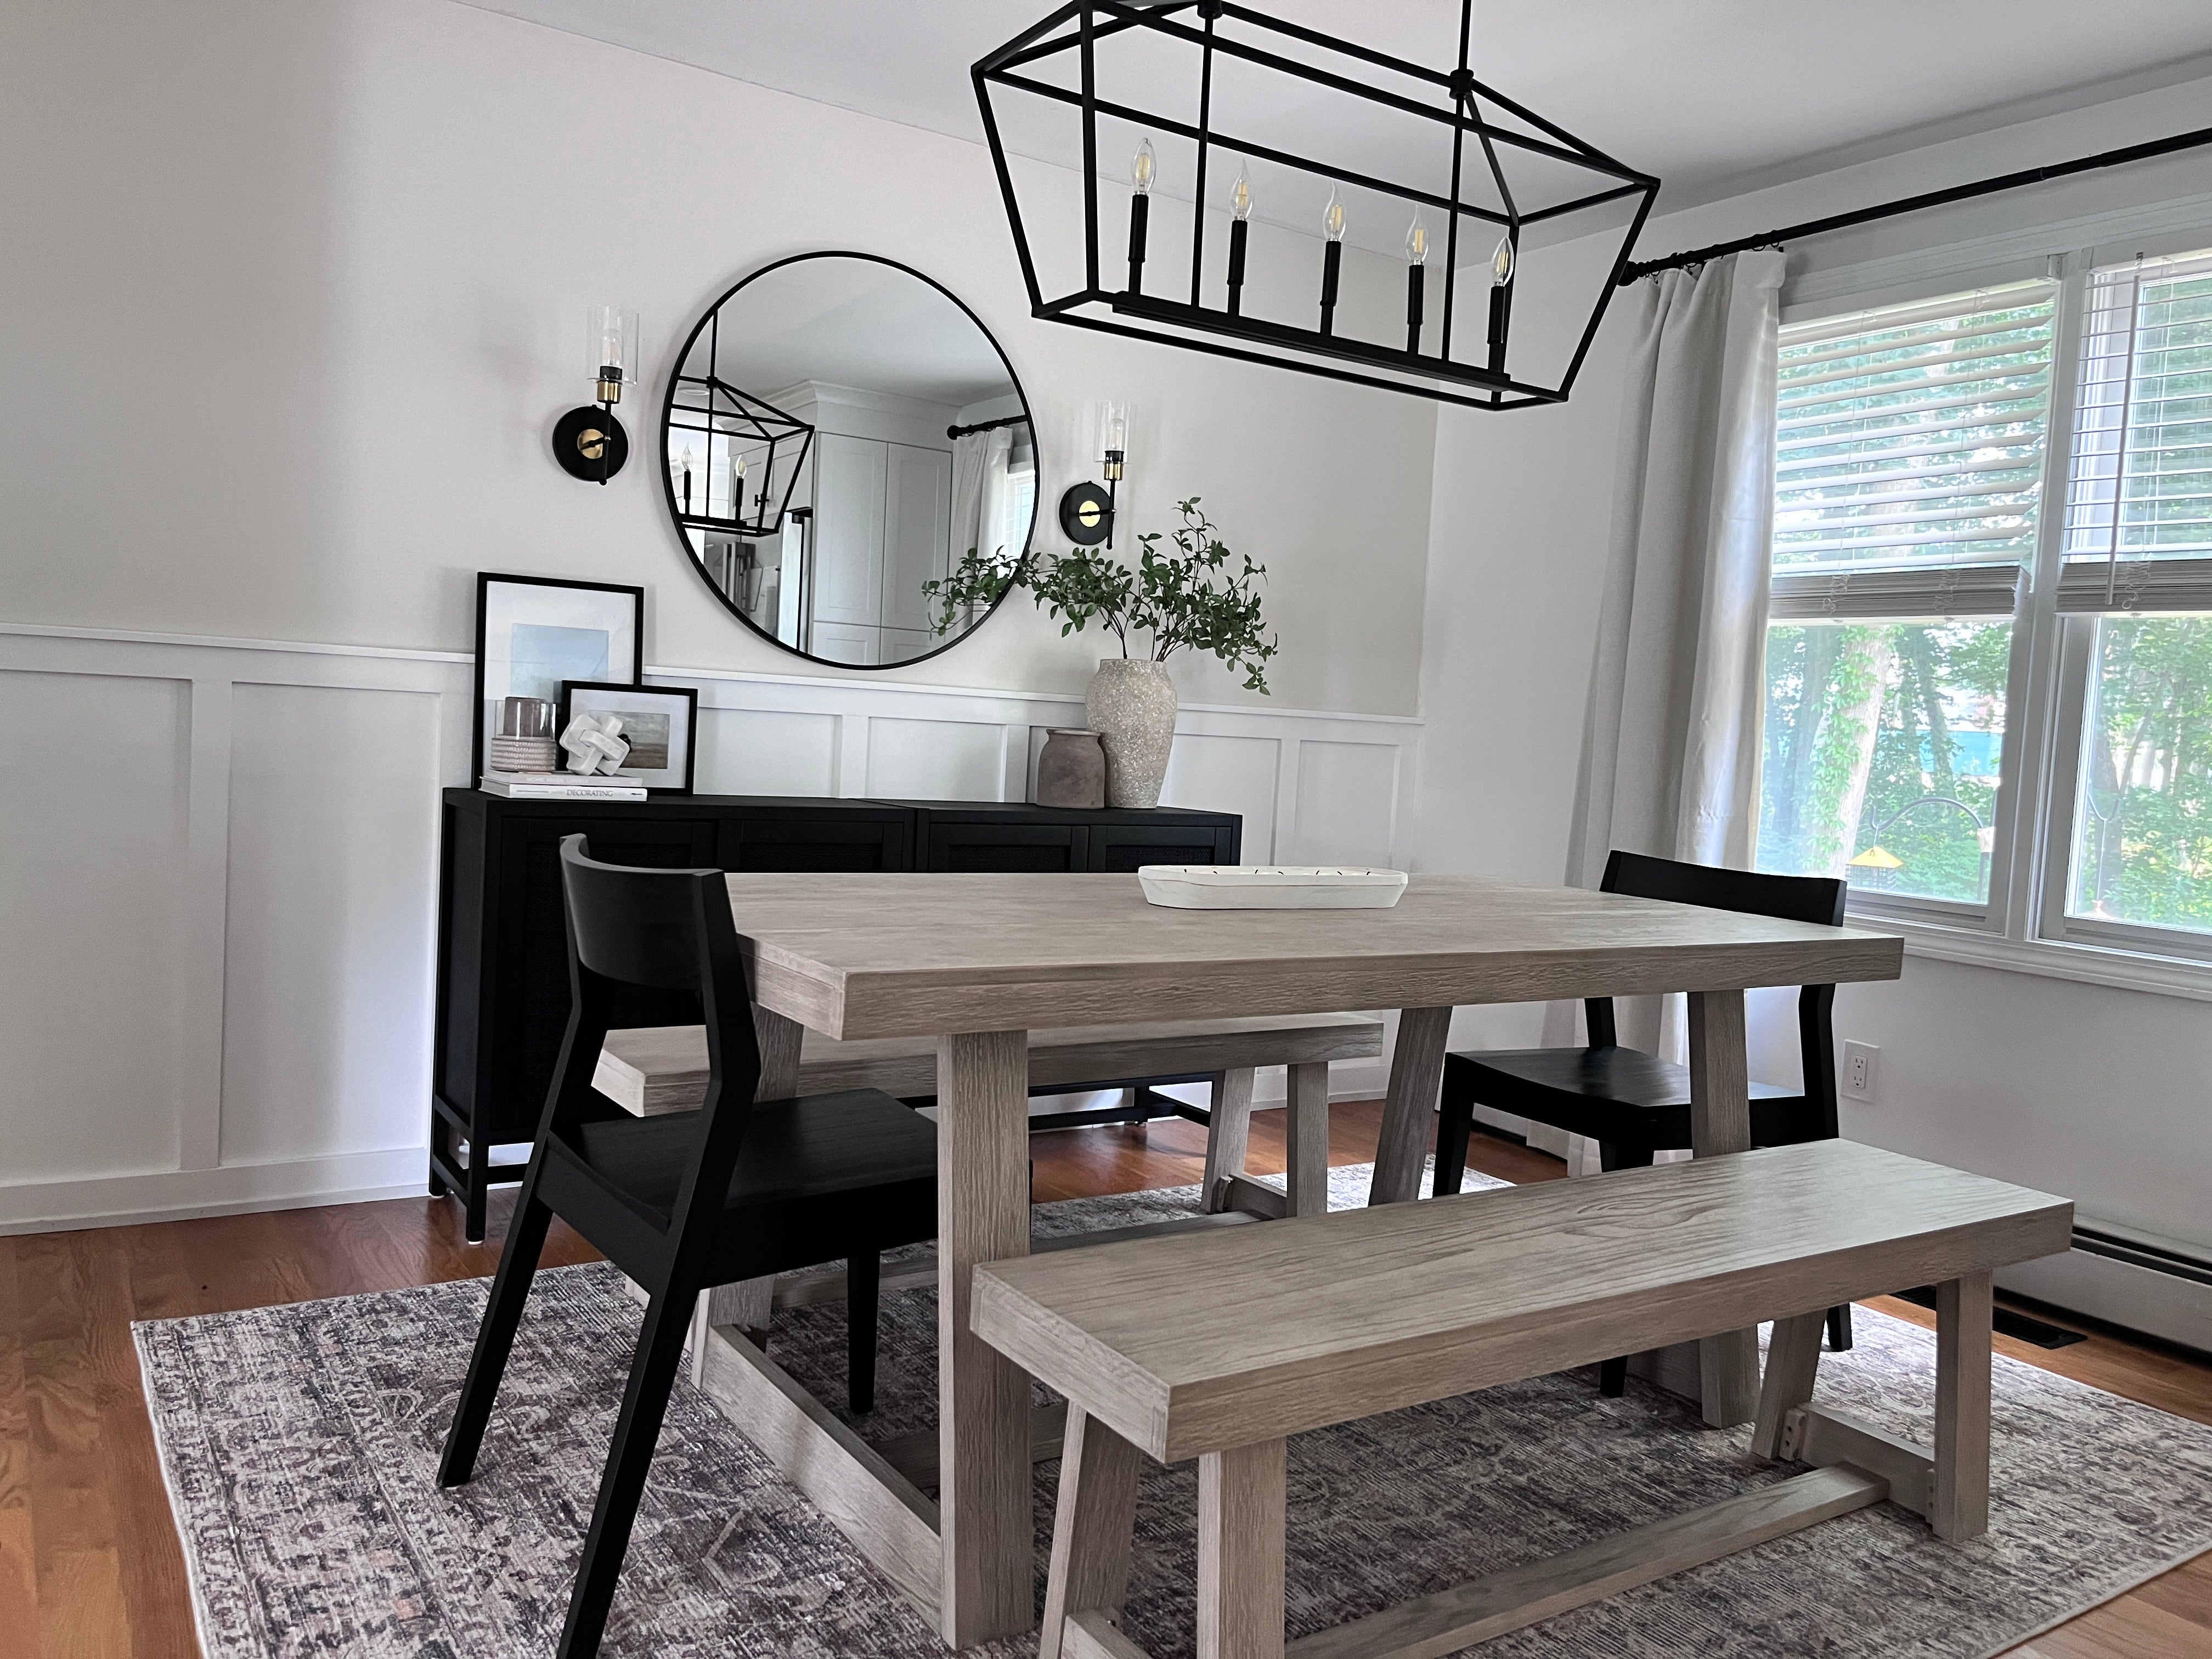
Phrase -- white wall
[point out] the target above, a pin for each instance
(300, 290)
(294, 296)
(2100, 1093)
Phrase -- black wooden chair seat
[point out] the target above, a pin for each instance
(737, 1189)
(1635, 1104)
(1618, 1097)
(819, 1178)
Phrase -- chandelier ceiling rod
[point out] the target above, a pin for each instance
(2111, 158)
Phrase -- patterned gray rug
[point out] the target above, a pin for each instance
(300, 1443)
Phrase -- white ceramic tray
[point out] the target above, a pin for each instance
(1270, 887)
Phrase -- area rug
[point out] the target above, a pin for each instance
(300, 1445)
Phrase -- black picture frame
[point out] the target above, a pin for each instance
(686, 695)
(484, 581)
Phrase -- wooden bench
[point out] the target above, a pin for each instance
(1220, 1347)
(664, 1069)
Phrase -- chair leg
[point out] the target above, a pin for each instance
(1455, 1123)
(651, 1377)
(510, 1289)
(1613, 1378)
(863, 1273)
(1839, 1329)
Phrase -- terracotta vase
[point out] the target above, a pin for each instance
(1132, 704)
(1070, 769)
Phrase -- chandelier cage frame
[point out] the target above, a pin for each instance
(735, 415)
(1475, 138)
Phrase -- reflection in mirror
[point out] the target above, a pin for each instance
(840, 432)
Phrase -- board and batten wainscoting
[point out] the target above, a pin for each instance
(221, 877)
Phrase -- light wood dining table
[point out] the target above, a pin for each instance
(975, 960)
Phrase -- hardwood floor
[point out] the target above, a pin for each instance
(90, 1563)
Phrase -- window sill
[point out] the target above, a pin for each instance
(2091, 964)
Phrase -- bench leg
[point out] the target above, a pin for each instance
(1240, 1552)
(1793, 1355)
(1093, 1518)
(1226, 1136)
(1962, 1408)
(1306, 1130)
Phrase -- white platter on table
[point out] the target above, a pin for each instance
(1270, 886)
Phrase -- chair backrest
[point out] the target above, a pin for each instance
(1818, 899)
(656, 947)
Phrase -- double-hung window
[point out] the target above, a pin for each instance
(1989, 711)
(1909, 468)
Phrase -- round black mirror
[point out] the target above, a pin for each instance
(839, 432)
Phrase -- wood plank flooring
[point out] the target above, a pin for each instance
(90, 1563)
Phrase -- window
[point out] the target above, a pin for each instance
(1928, 619)
(2138, 563)
(1907, 490)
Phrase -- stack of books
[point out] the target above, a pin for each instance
(562, 786)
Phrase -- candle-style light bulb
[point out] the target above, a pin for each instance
(1240, 227)
(1501, 263)
(687, 479)
(1141, 169)
(1240, 197)
(1501, 301)
(1417, 260)
(1332, 259)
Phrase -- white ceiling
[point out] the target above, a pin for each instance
(1713, 96)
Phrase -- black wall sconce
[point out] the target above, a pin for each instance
(1086, 512)
(589, 441)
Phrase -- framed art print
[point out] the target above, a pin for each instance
(657, 721)
(534, 633)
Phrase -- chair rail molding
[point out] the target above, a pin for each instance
(227, 868)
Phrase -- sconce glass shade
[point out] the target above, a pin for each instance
(610, 341)
(1113, 437)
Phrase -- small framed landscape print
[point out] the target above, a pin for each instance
(534, 633)
(657, 720)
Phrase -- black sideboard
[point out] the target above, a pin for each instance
(502, 962)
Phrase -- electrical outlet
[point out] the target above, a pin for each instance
(1862, 1066)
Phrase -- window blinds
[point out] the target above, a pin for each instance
(1909, 455)
(2139, 490)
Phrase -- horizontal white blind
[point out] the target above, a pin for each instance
(1946, 591)
(2135, 585)
(2139, 489)
(1913, 438)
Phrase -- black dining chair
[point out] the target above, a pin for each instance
(1634, 1104)
(737, 1189)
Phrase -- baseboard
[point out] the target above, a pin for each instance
(180, 1194)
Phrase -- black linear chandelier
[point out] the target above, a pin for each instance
(1508, 169)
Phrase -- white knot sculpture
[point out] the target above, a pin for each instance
(595, 742)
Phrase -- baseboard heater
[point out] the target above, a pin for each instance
(2139, 1253)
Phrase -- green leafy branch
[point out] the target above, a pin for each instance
(1198, 597)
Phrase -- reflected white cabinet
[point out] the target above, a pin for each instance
(917, 529)
(883, 527)
(848, 530)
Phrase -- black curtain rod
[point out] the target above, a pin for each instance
(2111, 158)
(986, 426)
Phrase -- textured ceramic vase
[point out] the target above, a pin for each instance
(1070, 769)
(1132, 704)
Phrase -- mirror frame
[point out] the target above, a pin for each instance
(668, 485)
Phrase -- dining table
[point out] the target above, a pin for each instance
(976, 961)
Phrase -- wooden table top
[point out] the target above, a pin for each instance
(1198, 1336)
(870, 956)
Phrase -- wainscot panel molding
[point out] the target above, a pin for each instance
(223, 886)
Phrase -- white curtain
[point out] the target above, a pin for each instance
(1671, 736)
(970, 452)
